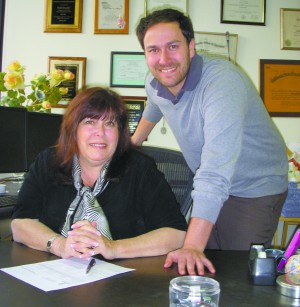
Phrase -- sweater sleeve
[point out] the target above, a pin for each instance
(224, 109)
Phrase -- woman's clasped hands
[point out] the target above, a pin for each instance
(84, 241)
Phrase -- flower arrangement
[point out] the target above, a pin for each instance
(294, 166)
(44, 93)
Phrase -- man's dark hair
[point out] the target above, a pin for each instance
(165, 15)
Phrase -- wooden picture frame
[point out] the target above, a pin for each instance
(279, 87)
(77, 65)
(136, 106)
(223, 45)
(128, 69)
(111, 17)
(244, 12)
(289, 29)
(181, 5)
(63, 16)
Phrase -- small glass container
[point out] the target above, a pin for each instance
(190, 291)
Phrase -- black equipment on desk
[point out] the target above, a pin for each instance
(23, 135)
(262, 268)
(266, 265)
(13, 158)
(42, 132)
(9, 198)
(7, 203)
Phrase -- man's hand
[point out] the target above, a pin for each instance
(190, 261)
(191, 258)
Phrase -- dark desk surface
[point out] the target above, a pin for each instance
(148, 285)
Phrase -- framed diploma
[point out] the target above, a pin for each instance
(215, 44)
(135, 106)
(180, 5)
(243, 12)
(280, 87)
(290, 29)
(128, 69)
(111, 17)
(77, 65)
(63, 16)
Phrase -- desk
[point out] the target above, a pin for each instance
(147, 286)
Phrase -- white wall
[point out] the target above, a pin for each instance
(24, 40)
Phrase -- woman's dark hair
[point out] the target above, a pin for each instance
(95, 102)
(165, 15)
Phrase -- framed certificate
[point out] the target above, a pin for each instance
(77, 65)
(128, 69)
(136, 106)
(111, 17)
(181, 5)
(280, 87)
(215, 44)
(63, 16)
(290, 29)
(243, 12)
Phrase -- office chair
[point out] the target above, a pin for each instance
(177, 173)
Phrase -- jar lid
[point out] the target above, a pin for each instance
(289, 285)
(195, 285)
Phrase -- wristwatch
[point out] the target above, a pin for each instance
(50, 243)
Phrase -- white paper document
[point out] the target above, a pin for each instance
(63, 273)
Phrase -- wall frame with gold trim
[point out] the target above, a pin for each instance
(77, 65)
(111, 17)
(279, 87)
(289, 29)
(63, 16)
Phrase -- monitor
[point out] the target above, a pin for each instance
(12, 138)
(42, 132)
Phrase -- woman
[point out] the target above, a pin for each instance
(93, 193)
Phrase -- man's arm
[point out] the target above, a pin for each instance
(142, 131)
(191, 258)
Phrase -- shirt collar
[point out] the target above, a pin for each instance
(192, 79)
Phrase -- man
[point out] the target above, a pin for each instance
(226, 136)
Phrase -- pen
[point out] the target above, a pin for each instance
(90, 265)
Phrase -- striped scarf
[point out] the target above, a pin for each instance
(85, 205)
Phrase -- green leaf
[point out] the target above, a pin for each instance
(54, 97)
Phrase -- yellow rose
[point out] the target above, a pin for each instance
(16, 66)
(69, 75)
(14, 80)
(63, 90)
(57, 74)
(46, 104)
